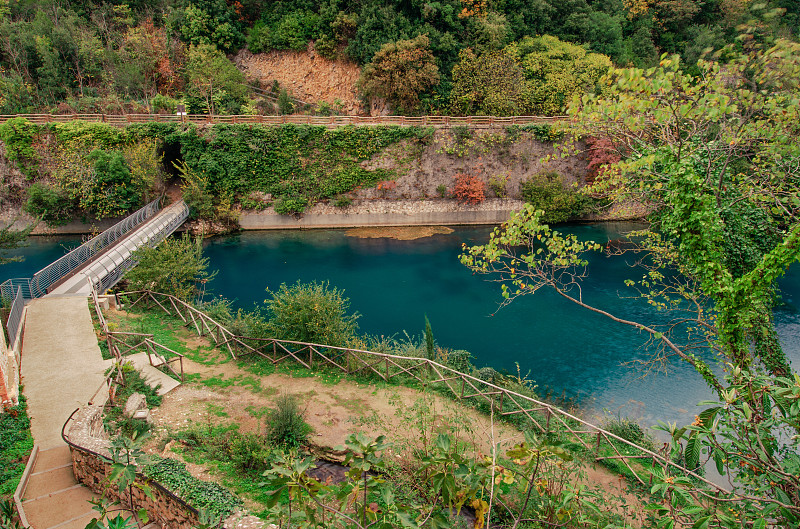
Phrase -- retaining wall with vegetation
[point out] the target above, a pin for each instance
(91, 465)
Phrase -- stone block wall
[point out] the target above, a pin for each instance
(9, 371)
(89, 445)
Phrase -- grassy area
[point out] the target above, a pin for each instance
(155, 321)
(239, 459)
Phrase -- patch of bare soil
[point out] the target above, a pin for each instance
(411, 419)
(228, 393)
(401, 233)
(307, 76)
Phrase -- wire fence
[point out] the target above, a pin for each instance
(540, 416)
(327, 121)
(10, 287)
(14, 322)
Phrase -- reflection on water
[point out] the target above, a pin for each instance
(395, 283)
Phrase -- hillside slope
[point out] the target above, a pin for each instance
(306, 75)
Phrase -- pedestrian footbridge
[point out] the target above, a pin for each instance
(103, 260)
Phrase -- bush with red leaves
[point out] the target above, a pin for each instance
(469, 189)
(601, 154)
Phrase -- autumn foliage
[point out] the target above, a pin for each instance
(469, 189)
(601, 154)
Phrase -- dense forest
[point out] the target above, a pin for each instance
(497, 57)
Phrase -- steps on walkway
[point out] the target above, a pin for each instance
(53, 498)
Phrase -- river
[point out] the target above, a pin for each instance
(393, 284)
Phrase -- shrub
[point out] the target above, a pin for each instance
(113, 193)
(629, 430)
(547, 191)
(175, 266)
(15, 444)
(499, 185)
(469, 189)
(161, 102)
(195, 194)
(601, 153)
(18, 135)
(134, 382)
(285, 104)
(342, 201)
(311, 312)
(290, 205)
(51, 204)
(218, 501)
(285, 424)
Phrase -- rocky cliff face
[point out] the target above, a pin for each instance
(306, 75)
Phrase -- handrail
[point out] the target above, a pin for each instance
(62, 267)
(297, 119)
(148, 343)
(14, 322)
(155, 234)
(38, 285)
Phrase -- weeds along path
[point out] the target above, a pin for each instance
(220, 391)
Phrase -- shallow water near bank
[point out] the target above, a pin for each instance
(395, 283)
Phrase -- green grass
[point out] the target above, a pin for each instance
(154, 318)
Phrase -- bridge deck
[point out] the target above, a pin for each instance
(164, 223)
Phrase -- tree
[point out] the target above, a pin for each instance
(112, 192)
(555, 71)
(400, 71)
(491, 84)
(148, 61)
(715, 156)
(213, 77)
(11, 239)
(176, 266)
(210, 22)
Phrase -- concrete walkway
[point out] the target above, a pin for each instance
(62, 366)
(152, 376)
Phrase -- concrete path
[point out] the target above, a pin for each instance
(62, 366)
(152, 375)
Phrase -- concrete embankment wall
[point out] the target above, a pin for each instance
(367, 213)
(267, 221)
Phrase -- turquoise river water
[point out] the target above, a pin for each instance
(393, 284)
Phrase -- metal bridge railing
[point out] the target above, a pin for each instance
(51, 274)
(14, 322)
(155, 233)
(9, 288)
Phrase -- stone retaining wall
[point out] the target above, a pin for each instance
(89, 445)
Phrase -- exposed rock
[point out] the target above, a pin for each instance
(136, 403)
